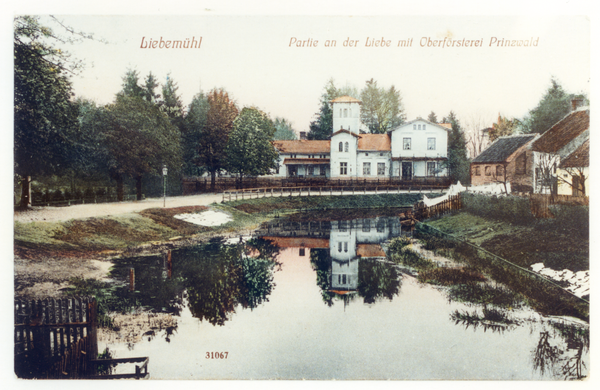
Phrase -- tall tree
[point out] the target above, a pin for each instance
(381, 110)
(219, 122)
(131, 84)
(45, 117)
(283, 130)
(149, 89)
(250, 151)
(140, 139)
(321, 127)
(458, 163)
(194, 123)
(503, 127)
(432, 117)
(554, 105)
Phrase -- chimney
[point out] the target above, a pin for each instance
(303, 135)
(576, 103)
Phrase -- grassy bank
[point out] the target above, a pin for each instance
(118, 233)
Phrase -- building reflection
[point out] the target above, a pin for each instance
(346, 254)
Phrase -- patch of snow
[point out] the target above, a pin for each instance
(579, 282)
(454, 189)
(492, 188)
(205, 218)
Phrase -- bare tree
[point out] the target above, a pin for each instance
(476, 134)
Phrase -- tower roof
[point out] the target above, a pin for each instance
(345, 99)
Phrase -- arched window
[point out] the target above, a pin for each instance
(419, 127)
(341, 147)
(345, 112)
(346, 147)
(423, 127)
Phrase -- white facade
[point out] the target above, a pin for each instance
(419, 148)
(344, 150)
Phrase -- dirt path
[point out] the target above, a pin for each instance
(50, 214)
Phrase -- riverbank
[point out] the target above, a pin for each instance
(474, 243)
(60, 250)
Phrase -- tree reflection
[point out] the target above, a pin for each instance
(491, 319)
(562, 357)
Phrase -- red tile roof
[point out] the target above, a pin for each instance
(377, 142)
(563, 132)
(303, 146)
(345, 131)
(579, 158)
(345, 99)
(369, 250)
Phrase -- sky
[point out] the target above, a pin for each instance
(281, 64)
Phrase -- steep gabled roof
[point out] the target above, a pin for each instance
(345, 99)
(302, 146)
(375, 142)
(579, 158)
(445, 126)
(502, 148)
(563, 132)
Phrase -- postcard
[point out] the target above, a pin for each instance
(318, 197)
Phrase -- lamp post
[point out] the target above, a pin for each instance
(165, 171)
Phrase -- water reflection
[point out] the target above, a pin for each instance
(346, 255)
(214, 279)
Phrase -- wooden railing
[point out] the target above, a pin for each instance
(423, 212)
(255, 193)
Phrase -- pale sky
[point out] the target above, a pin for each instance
(256, 60)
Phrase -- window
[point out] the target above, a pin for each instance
(341, 147)
(414, 127)
(499, 170)
(323, 170)
(380, 226)
(277, 169)
(381, 154)
(339, 246)
(419, 127)
(366, 225)
(424, 127)
(430, 168)
(406, 143)
(488, 171)
(340, 112)
(366, 154)
(430, 143)
(380, 169)
(346, 147)
(311, 170)
(345, 112)
(343, 168)
(477, 171)
(302, 252)
(343, 226)
(345, 247)
(366, 169)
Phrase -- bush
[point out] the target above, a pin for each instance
(512, 209)
(572, 220)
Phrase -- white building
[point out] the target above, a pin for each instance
(412, 150)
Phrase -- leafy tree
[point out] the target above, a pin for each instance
(171, 103)
(45, 117)
(381, 110)
(555, 104)
(194, 122)
(219, 122)
(283, 130)
(151, 83)
(502, 128)
(432, 117)
(250, 151)
(458, 163)
(140, 139)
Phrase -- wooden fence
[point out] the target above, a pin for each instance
(52, 335)
(200, 185)
(540, 203)
(423, 212)
(371, 188)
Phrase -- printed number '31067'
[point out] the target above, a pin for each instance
(217, 355)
